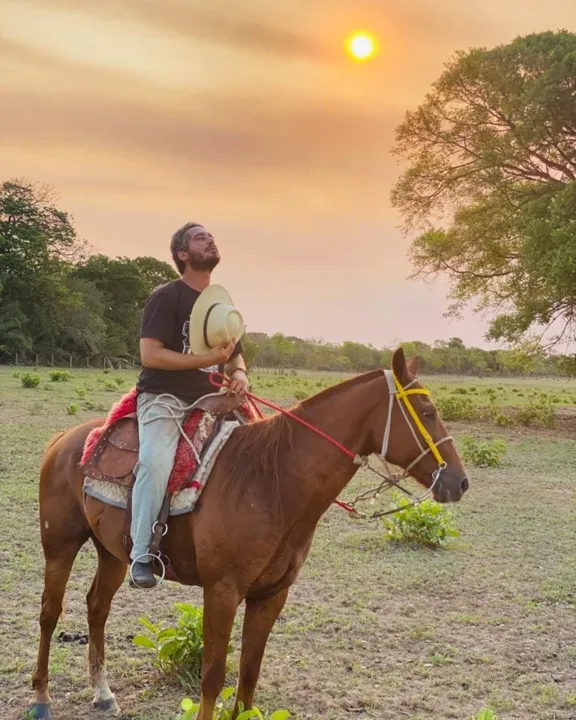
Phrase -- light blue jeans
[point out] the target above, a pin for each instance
(158, 438)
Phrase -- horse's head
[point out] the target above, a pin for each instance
(414, 436)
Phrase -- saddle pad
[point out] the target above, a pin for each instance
(182, 501)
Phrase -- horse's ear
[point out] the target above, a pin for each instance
(399, 365)
(412, 366)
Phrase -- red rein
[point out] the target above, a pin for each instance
(253, 399)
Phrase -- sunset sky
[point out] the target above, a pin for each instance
(250, 117)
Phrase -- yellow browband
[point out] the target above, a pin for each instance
(403, 394)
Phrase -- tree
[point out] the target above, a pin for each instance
(491, 183)
(37, 246)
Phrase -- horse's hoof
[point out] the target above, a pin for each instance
(40, 710)
(110, 706)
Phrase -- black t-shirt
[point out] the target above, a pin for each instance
(166, 317)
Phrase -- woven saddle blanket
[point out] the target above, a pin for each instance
(111, 451)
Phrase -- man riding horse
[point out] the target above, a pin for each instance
(178, 351)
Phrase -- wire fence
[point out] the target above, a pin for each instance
(69, 361)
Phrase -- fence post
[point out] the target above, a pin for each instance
(87, 362)
(52, 359)
(36, 359)
(70, 360)
(16, 358)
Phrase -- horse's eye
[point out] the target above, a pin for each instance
(428, 414)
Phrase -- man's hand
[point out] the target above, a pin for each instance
(220, 354)
(239, 382)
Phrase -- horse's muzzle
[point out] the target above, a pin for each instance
(451, 487)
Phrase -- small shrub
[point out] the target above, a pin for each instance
(300, 394)
(484, 454)
(29, 380)
(502, 420)
(539, 411)
(427, 523)
(455, 408)
(80, 392)
(119, 381)
(460, 391)
(110, 386)
(16, 374)
(73, 408)
(224, 708)
(179, 648)
(59, 375)
(486, 714)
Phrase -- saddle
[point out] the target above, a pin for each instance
(115, 455)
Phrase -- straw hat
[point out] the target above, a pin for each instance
(214, 320)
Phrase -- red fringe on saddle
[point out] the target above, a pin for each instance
(185, 462)
(125, 406)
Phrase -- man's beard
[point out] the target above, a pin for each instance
(202, 263)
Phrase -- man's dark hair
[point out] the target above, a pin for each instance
(179, 243)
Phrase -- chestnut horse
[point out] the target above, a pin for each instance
(252, 529)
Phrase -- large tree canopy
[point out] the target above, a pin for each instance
(490, 184)
(55, 299)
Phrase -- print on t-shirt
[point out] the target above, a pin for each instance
(186, 346)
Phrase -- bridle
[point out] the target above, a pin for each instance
(398, 393)
(401, 394)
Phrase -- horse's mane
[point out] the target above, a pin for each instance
(261, 453)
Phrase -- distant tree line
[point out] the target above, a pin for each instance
(59, 301)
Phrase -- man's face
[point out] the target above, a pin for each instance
(202, 253)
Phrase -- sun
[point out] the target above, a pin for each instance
(361, 46)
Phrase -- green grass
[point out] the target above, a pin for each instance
(371, 629)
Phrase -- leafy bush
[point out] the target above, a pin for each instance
(73, 408)
(224, 709)
(59, 375)
(539, 411)
(486, 714)
(16, 374)
(29, 380)
(484, 453)
(502, 420)
(455, 408)
(119, 381)
(300, 394)
(460, 391)
(427, 523)
(178, 648)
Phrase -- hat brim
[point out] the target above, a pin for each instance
(208, 297)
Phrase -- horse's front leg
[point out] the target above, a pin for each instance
(220, 606)
(259, 620)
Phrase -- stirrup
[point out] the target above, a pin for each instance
(156, 557)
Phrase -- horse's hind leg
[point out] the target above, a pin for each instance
(109, 576)
(62, 537)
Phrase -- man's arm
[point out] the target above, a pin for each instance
(235, 363)
(235, 369)
(154, 355)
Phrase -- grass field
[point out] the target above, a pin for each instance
(371, 629)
